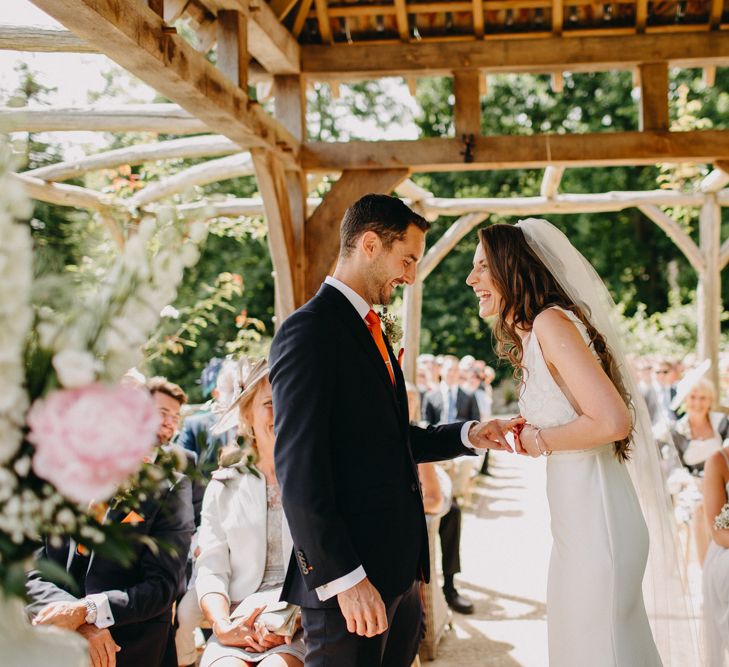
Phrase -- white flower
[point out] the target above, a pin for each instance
(170, 311)
(198, 232)
(74, 368)
(22, 466)
(189, 254)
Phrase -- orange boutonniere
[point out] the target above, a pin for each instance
(133, 518)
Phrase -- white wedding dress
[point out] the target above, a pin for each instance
(596, 616)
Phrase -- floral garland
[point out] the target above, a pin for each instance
(70, 433)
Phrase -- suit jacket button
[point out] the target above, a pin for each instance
(414, 487)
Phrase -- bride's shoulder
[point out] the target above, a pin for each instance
(554, 324)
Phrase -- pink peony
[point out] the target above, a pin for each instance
(89, 440)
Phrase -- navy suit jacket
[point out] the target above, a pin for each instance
(140, 596)
(346, 454)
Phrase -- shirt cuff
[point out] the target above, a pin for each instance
(104, 617)
(464, 436)
(340, 585)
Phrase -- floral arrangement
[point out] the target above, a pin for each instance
(393, 328)
(70, 433)
(721, 521)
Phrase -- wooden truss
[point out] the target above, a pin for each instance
(292, 43)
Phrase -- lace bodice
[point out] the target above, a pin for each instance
(274, 573)
(541, 400)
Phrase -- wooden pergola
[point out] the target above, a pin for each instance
(288, 44)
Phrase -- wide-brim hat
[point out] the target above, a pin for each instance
(250, 374)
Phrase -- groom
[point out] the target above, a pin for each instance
(346, 455)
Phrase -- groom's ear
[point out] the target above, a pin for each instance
(370, 243)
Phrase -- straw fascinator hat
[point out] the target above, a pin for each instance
(247, 376)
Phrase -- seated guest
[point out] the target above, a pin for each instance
(716, 565)
(697, 436)
(245, 544)
(124, 612)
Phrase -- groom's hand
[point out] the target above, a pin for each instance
(363, 609)
(492, 434)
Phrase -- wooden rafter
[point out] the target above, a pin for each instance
(517, 55)
(233, 46)
(467, 111)
(676, 233)
(301, 15)
(717, 179)
(520, 152)
(322, 238)
(322, 17)
(641, 15)
(550, 181)
(557, 17)
(137, 39)
(478, 21)
(715, 12)
(401, 16)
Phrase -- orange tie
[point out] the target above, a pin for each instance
(373, 324)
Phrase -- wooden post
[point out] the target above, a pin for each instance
(412, 309)
(653, 96)
(709, 290)
(289, 93)
(467, 86)
(233, 47)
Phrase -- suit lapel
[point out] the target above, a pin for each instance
(359, 330)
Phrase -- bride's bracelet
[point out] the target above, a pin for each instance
(545, 451)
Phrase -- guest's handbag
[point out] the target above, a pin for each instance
(279, 617)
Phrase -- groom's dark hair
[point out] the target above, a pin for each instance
(387, 216)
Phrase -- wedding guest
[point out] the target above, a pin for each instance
(666, 377)
(123, 611)
(447, 404)
(716, 565)
(245, 543)
(697, 436)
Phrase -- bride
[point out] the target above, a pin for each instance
(577, 404)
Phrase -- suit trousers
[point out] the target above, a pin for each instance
(330, 644)
(450, 539)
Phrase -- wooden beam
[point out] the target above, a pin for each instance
(272, 185)
(269, 42)
(282, 8)
(717, 179)
(708, 76)
(233, 47)
(550, 181)
(401, 17)
(478, 21)
(715, 13)
(448, 241)
(467, 111)
(641, 15)
(675, 232)
(42, 39)
(322, 17)
(724, 255)
(709, 288)
(557, 82)
(173, 9)
(515, 55)
(211, 145)
(520, 152)
(168, 118)
(322, 228)
(301, 15)
(557, 17)
(212, 171)
(137, 39)
(653, 96)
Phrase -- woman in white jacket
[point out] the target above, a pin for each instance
(245, 543)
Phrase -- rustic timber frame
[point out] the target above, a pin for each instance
(288, 44)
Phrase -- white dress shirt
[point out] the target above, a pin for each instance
(351, 579)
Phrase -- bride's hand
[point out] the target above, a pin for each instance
(526, 441)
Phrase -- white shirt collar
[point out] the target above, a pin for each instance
(358, 303)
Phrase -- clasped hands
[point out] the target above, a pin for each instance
(492, 435)
(248, 633)
(71, 615)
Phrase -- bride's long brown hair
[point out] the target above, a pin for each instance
(527, 288)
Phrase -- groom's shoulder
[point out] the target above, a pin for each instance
(314, 315)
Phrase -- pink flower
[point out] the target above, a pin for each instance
(89, 440)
